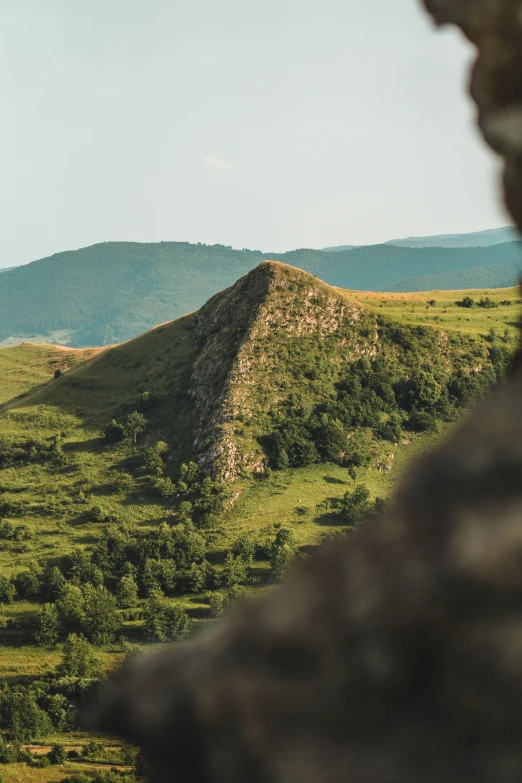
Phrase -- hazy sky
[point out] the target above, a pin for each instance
(268, 124)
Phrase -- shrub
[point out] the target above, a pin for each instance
(487, 303)
(113, 432)
(467, 301)
(148, 400)
(57, 374)
(57, 754)
(355, 506)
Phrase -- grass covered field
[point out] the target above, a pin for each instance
(440, 309)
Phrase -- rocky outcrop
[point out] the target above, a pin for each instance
(240, 371)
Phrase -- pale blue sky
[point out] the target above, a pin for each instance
(269, 124)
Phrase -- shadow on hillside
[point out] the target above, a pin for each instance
(332, 480)
(199, 612)
(93, 444)
(330, 518)
(216, 556)
(261, 576)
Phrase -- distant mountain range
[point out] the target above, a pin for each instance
(488, 238)
(111, 292)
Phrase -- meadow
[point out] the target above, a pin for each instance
(440, 309)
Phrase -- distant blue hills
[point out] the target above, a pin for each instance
(113, 291)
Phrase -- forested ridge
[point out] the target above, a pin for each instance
(111, 292)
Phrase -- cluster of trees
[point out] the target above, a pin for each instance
(194, 496)
(134, 425)
(49, 704)
(397, 390)
(485, 302)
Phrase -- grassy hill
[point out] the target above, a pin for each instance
(111, 292)
(300, 403)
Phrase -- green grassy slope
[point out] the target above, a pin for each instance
(25, 367)
(445, 313)
(111, 292)
(274, 350)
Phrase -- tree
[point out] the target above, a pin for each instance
(155, 616)
(217, 603)
(189, 545)
(57, 374)
(135, 424)
(61, 711)
(28, 583)
(331, 441)
(47, 626)
(281, 560)
(198, 577)
(79, 659)
(153, 458)
(7, 590)
(164, 619)
(127, 592)
(168, 575)
(54, 581)
(57, 754)
(70, 605)
(235, 571)
(355, 506)
(150, 577)
(245, 546)
(22, 719)
(101, 619)
(283, 551)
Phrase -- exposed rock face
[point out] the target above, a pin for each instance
(239, 370)
(395, 656)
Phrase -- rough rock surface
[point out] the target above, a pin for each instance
(239, 370)
(396, 656)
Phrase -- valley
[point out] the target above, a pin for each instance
(144, 487)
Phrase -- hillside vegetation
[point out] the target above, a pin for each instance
(111, 292)
(153, 483)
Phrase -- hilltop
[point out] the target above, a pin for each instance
(111, 292)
